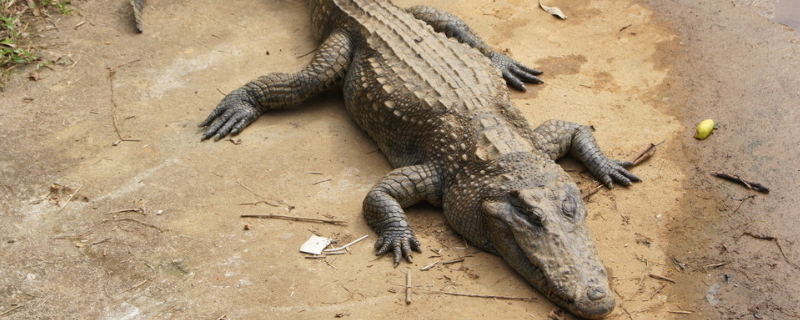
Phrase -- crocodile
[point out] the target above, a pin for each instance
(434, 98)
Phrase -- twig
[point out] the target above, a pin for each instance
(485, 296)
(777, 242)
(292, 218)
(344, 247)
(137, 210)
(112, 71)
(657, 291)
(69, 199)
(593, 191)
(428, 267)
(655, 276)
(408, 287)
(12, 309)
(681, 312)
(646, 154)
(456, 260)
(99, 242)
(257, 202)
(134, 220)
(321, 181)
(714, 265)
(323, 256)
(135, 286)
(741, 202)
(755, 186)
(248, 189)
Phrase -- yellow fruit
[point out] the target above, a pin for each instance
(704, 129)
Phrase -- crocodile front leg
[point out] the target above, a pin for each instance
(557, 138)
(280, 90)
(383, 207)
(514, 72)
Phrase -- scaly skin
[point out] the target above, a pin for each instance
(433, 97)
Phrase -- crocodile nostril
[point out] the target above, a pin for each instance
(596, 293)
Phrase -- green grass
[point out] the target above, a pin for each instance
(16, 48)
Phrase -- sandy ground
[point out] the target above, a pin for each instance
(150, 229)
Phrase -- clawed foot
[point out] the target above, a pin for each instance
(235, 112)
(611, 171)
(401, 242)
(514, 72)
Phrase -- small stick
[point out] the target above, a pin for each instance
(681, 312)
(485, 296)
(344, 247)
(714, 265)
(742, 202)
(657, 291)
(99, 242)
(430, 266)
(137, 210)
(777, 242)
(112, 71)
(456, 260)
(257, 202)
(321, 181)
(137, 221)
(69, 199)
(293, 218)
(655, 276)
(135, 286)
(646, 154)
(12, 309)
(408, 287)
(248, 189)
(755, 186)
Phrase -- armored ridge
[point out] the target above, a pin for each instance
(432, 95)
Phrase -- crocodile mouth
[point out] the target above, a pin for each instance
(589, 299)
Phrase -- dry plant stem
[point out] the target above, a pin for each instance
(344, 247)
(485, 296)
(10, 310)
(777, 243)
(134, 220)
(112, 71)
(292, 218)
(428, 267)
(456, 260)
(408, 287)
(134, 287)
(742, 202)
(681, 312)
(755, 186)
(657, 291)
(663, 278)
(69, 199)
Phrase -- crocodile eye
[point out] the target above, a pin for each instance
(534, 215)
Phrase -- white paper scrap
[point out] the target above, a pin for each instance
(315, 245)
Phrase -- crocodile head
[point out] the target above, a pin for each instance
(542, 233)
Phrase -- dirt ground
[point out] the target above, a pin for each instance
(149, 228)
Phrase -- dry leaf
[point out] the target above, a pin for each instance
(553, 10)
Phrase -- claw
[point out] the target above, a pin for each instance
(235, 112)
(514, 72)
(400, 242)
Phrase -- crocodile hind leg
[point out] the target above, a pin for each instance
(383, 207)
(280, 90)
(514, 72)
(557, 138)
